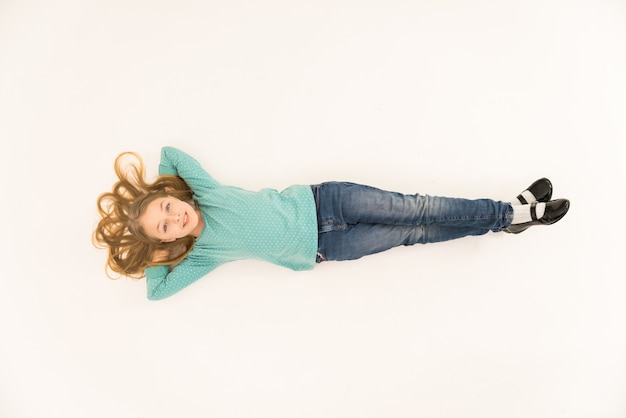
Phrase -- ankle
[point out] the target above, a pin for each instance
(528, 213)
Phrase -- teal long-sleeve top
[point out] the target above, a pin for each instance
(279, 227)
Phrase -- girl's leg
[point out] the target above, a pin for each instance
(356, 220)
(343, 204)
(356, 241)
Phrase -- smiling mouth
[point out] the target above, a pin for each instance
(185, 219)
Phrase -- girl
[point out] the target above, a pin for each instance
(186, 224)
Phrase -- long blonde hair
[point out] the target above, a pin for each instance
(130, 250)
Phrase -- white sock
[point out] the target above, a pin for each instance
(521, 213)
(527, 195)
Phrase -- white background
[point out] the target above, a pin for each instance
(458, 98)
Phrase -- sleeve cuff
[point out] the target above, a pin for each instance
(156, 272)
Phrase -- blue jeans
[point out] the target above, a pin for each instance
(356, 220)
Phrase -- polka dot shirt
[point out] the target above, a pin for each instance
(279, 227)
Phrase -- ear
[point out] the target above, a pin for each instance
(168, 240)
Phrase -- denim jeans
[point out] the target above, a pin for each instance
(356, 220)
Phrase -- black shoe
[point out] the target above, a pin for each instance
(555, 211)
(541, 189)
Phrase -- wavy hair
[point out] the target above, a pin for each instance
(130, 249)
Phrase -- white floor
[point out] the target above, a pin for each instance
(457, 98)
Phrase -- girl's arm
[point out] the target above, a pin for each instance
(176, 162)
(164, 281)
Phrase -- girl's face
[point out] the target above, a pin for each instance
(168, 218)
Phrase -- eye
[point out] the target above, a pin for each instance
(164, 227)
(167, 207)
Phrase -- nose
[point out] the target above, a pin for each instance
(175, 217)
